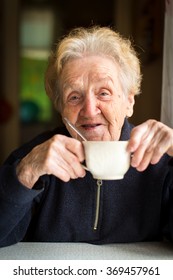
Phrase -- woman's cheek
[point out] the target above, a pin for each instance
(70, 113)
(111, 113)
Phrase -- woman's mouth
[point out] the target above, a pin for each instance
(92, 131)
(90, 126)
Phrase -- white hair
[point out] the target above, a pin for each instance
(103, 41)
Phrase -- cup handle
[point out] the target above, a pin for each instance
(86, 168)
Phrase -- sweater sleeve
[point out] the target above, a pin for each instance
(170, 206)
(17, 201)
(167, 204)
(15, 205)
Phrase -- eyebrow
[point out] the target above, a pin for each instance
(69, 85)
(106, 79)
(72, 86)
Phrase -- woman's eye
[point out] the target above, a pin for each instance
(105, 94)
(74, 99)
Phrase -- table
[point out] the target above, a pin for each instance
(84, 251)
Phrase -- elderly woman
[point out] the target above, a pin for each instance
(45, 193)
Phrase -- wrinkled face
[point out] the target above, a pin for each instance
(93, 99)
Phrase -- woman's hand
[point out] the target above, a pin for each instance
(60, 156)
(148, 142)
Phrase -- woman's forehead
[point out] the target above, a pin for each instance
(92, 69)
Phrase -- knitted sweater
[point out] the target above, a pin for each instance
(137, 208)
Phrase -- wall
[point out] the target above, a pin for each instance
(124, 18)
(9, 78)
(142, 21)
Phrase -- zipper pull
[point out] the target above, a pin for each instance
(99, 184)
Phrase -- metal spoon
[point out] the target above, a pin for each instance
(75, 129)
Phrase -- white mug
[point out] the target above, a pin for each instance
(107, 160)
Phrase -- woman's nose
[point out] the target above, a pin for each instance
(89, 107)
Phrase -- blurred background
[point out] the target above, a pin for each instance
(29, 30)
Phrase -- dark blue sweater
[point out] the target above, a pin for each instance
(137, 208)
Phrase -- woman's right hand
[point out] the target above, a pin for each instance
(60, 156)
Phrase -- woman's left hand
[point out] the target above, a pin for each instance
(148, 142)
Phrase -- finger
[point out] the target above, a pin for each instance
(68, 159)
(61, 169)
(141, 132)
(66, 154)
(63, 175)
(143, 153)
(163, 146)
(150, 151)
(137, 134)
(140, 157)
(77, 149)
(74, 146)
(74, 164)
(54, 161)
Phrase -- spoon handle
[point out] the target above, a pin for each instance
(75, 129)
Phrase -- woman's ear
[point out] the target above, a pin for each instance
(130, 104)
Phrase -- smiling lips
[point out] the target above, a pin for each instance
(90, 126)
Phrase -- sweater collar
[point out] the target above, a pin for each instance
(126, 130)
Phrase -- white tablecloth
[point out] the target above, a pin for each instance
(83, 251)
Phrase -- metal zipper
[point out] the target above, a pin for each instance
(97, 210)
